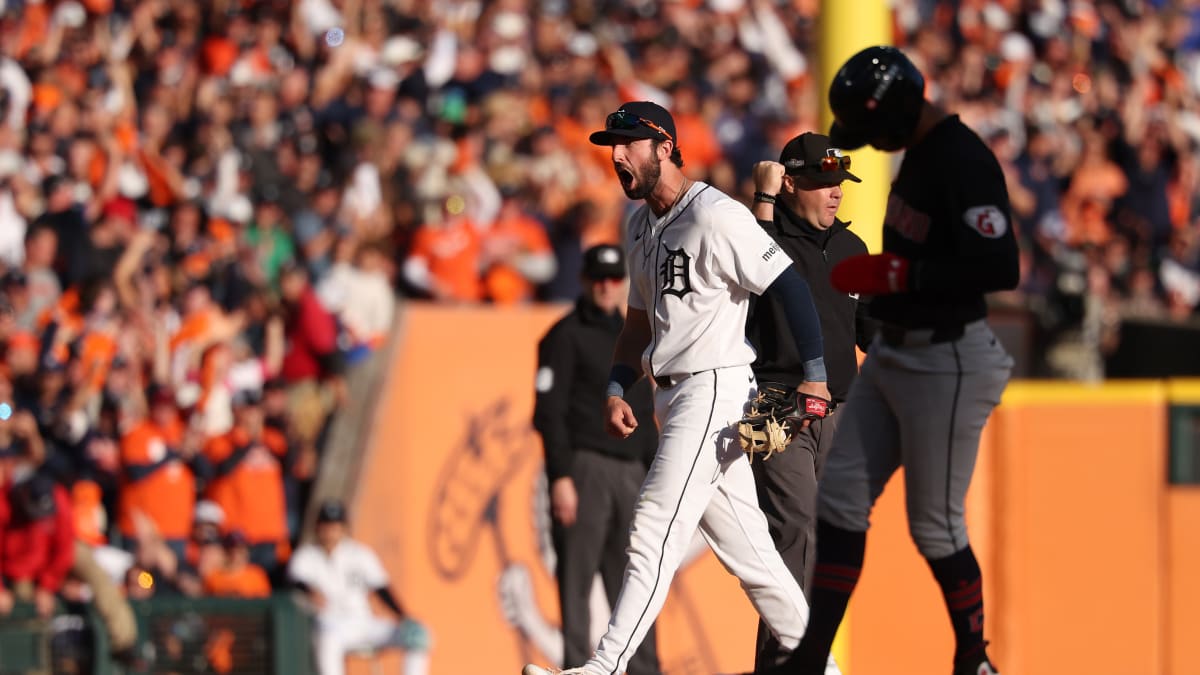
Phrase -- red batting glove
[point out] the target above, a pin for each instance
(877, 274)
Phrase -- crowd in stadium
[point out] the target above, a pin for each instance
(208, 209)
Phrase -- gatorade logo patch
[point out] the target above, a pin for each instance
(988, 221)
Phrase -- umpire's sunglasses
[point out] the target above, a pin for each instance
(627, 121)
(834, 160)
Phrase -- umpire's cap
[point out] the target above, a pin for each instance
(814, 157)
(332, 511)
(604, 261)
(634, 120)
(876, 95)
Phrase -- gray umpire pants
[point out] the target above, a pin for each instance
(608, 490)
(787, 493)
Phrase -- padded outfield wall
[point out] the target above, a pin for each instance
(1089, 551)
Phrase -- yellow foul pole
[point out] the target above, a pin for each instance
(847, 26)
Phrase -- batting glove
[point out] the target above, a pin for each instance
(877, 274)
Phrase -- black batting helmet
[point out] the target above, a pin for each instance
(876, 95)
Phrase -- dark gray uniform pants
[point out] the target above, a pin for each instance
(787, 493)
(608, 490)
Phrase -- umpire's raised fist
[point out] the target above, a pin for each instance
(768, 177)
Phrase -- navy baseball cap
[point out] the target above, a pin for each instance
(604, 261)
(332, 511)
(815, 158)
(635, 120)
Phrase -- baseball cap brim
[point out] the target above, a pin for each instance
(845, 139)
(604, 271)
(619, 136)
(826, 177)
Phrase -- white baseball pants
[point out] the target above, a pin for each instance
(335, 638)
(700, 478)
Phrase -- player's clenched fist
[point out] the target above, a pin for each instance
(768, 177)
(620, 419)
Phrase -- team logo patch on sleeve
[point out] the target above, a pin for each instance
(545, 379)
(988, 221)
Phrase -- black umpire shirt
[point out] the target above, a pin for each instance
(844, 321)
(573, 363)
(948, 213)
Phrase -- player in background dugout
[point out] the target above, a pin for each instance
(594, 479)
(339, 575)
(796, 201)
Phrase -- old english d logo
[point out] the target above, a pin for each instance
(676, 274)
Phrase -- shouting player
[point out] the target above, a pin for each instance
(695, 258)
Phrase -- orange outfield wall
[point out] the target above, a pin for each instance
(1088, 557)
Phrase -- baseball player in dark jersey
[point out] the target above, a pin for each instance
(594, 478)
(796, 202)
(935, 371)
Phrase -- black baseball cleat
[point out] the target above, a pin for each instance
(983, 667)
(976, 662)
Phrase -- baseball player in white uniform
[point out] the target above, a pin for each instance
(695, 258)
(339, 574)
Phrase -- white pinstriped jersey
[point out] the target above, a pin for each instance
(346, 577)
(693, 271)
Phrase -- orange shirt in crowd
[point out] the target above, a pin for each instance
(697, 142)
(195, 328)
(96, 354)
(1094, 186)
(250, 488)
(166, 494)
(451, 252)
(503, 283)
(88, 511)
(249, 581)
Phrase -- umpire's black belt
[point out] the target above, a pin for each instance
(901, 336)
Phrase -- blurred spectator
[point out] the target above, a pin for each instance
(358, 291)
(158, 482)
(446, 257)
(248, 465)
(205, 551)
(38, 545)
(516, 253)
(312, 357)
(235, 576)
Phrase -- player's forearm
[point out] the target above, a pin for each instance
(794, 296)
(632, 341)
(385, 596)
(627, 355)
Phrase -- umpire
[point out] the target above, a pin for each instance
(594, 478)
(796, 202)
